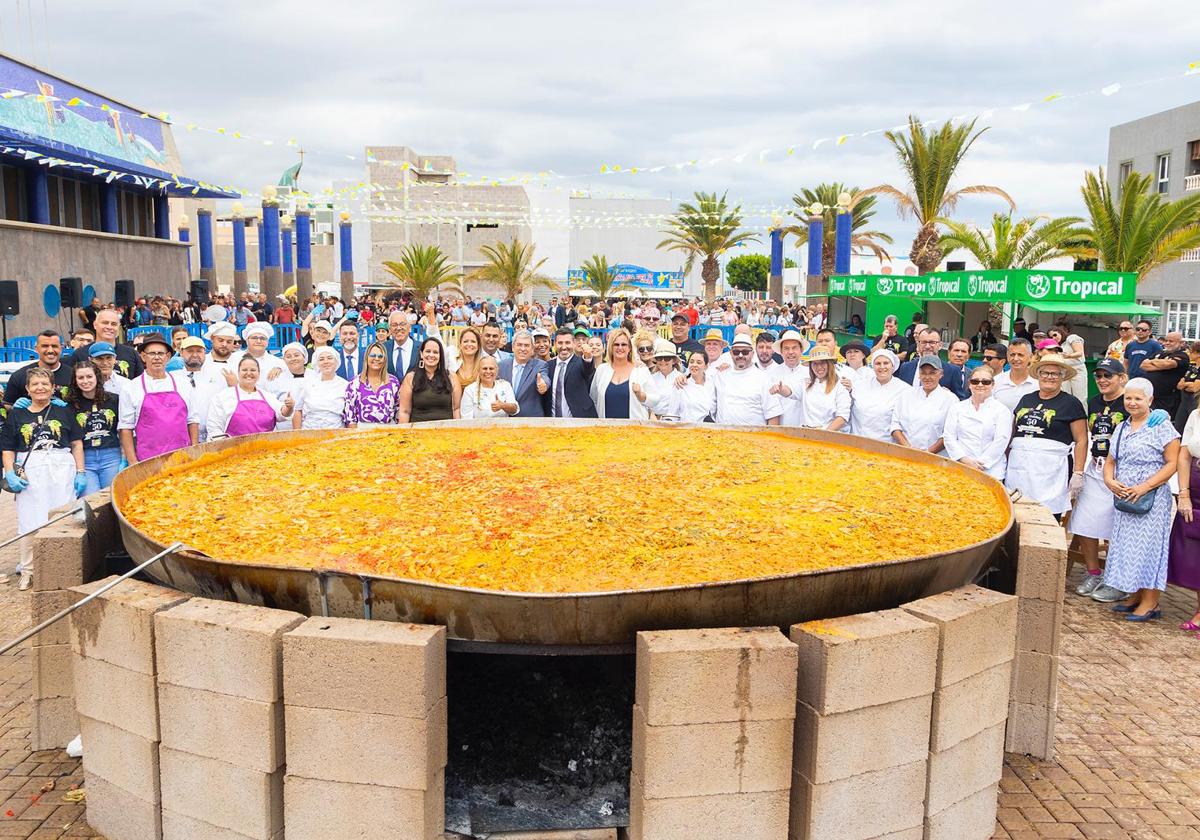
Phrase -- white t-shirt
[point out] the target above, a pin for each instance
(132, 396)
(744, 398)
(922, 416)
(1010, 394)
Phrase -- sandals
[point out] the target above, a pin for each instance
(1190, 626)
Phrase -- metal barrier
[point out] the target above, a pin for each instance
(25, 342)
(17, 354)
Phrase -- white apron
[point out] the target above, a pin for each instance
(1092, 513)
(1038, 468)
(51, 476)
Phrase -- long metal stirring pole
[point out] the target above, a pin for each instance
(32, 631)
(49, 521)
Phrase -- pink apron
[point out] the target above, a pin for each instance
(162, 423)
(250, 416)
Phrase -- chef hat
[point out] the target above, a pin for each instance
(294, 345)
(885, 353)
(321, 351)
(222, 329)
(258, 328)
(215, 313)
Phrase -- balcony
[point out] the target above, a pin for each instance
(1191, 182)
(1191, 256)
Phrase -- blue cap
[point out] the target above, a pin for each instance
(101, 348)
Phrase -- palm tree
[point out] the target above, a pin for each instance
(600, 277)
(706, 229)
(1023, 243)
(862, 208)
(423, 269)
(929, 160)
(1138, 231)
(511, 267)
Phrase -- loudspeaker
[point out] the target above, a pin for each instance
(70, 292)
(10, 298)
(200, 292)
(956, 265)
(123, 293)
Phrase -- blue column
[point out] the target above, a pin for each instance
(205, 230)
(262, 252)
(303, 241)
(347, 259)
(109, 222)
(816, 245)
(285, 239)
(775, 281)
(270, 281)
(841, 250)
(239, 244)
(38, 184)
(162, 217)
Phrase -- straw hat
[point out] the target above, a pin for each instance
(818, 354)
(714, 335)
(1054, 360)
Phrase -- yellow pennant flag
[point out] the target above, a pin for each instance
(842, 138)
(1052, 97)
(603, 168)
(74, 101)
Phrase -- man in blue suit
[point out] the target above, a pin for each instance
(929, 342)
(954, 372)
(570, 378)
(350, 355)
(401, 349)
(528, 377)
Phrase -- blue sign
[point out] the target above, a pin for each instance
(633, 276)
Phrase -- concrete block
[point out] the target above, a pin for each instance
(118, 626)
(1030, 730)
(844, 744)
(964, 769)
(978, 630)
(178, 827)
(248, 733)
(223, 646)
(62, 557)
(53, 723)
(703, 759)
(45, 604)
(1028, 512)
(249, 802)
(1041, 562)
(362, 812)
(970, 706)
(561, 834)
(716, 675)
(118, 814)
(1039, 625)
(863, 807)
(973, 818)
(365, 666)
(1035, 679)
(115, 695)
(51, 666)
(366, 748)
(745, 816)
(865, 660)
(121, 758)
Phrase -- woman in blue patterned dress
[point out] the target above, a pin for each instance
(1140, 460)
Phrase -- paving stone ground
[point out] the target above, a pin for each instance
(1128, 750)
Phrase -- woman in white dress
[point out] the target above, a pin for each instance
(977, 429)
(873, 401)
(826, 400)
(324, 395)
(488, 396)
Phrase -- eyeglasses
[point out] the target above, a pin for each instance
(645, 349)
(980, 381)
(1050, 374)
(745, 351)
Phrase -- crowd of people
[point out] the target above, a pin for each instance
(1104, 465)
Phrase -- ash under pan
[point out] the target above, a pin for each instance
(584, 622)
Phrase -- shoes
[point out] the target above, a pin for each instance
(1124, 608)
(25, 581)
(1106, 594)
(1189, 625)
(1090, 584)
(1150, 616)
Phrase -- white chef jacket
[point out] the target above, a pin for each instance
(282, 385)
(1010, 394)
(663, 398)
(821, 406)
(793, 406)
(744, 398)
(477, 401)
(873, 407)
(266, 363)
(980, 433)
(697, 401)
(132, 395)
(116, 383)
(322, 402)
(922, 416)
(224, 403)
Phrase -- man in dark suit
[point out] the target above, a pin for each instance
(528, 377)
(929, 342)
(350, 355)
(570, 378)
(954, 372)
(401, 349)
(558, 313)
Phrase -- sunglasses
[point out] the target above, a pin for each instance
(990, 358)
(645, 349)
(745, 351)
(980, 381)
(1124, 328)
(1103, 374)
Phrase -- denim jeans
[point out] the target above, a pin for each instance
(101, 466)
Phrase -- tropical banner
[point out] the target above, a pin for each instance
(994, 286)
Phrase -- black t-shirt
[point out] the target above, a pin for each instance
(686, 348)
(897, 344)
(23, 430)
(1103, 417)
(97, 422)
(1048, 419)
(1193, 373)
(15, 389)
(1166, 382)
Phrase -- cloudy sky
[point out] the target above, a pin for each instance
(524, 85)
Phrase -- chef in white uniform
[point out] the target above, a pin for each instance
(291, 379)
(257, 336)
(324, 395)
(978, 429)
(873, 401)
(663, 397)
(790, 378)
(743, 393)
(921, 412)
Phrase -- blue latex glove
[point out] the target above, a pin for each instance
(80, 484)
(15, 481)
(318, 309)
(60, 403)
(176, 363)
(23, 402)
(1157, 417)
(124, 463)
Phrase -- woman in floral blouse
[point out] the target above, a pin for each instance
(373, 395)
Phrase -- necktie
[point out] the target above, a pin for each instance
(396, 363)
(559, 371)
(192, 378)
(517, 371)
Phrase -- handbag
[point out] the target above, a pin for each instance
(19, 469)
(1143, 505)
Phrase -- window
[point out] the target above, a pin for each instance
(1193, 161)
(1185, 317)
(480, 227)
(12, 190)
(1125, 170)
(1154, 320)
(1162, 173)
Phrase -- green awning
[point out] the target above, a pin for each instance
(1091, 307)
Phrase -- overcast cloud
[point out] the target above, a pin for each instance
(513, 87)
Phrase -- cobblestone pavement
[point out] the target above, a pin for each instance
(1128, 751)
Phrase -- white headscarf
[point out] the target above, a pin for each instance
(886, 354)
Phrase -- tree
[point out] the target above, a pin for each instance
(1023, 243)
(862, 208)
(601, 278)
(788, 262)
(749, 272)
(424, 269)
(706, 229)
(1138, 231)
(929, 160)
(511, 267)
